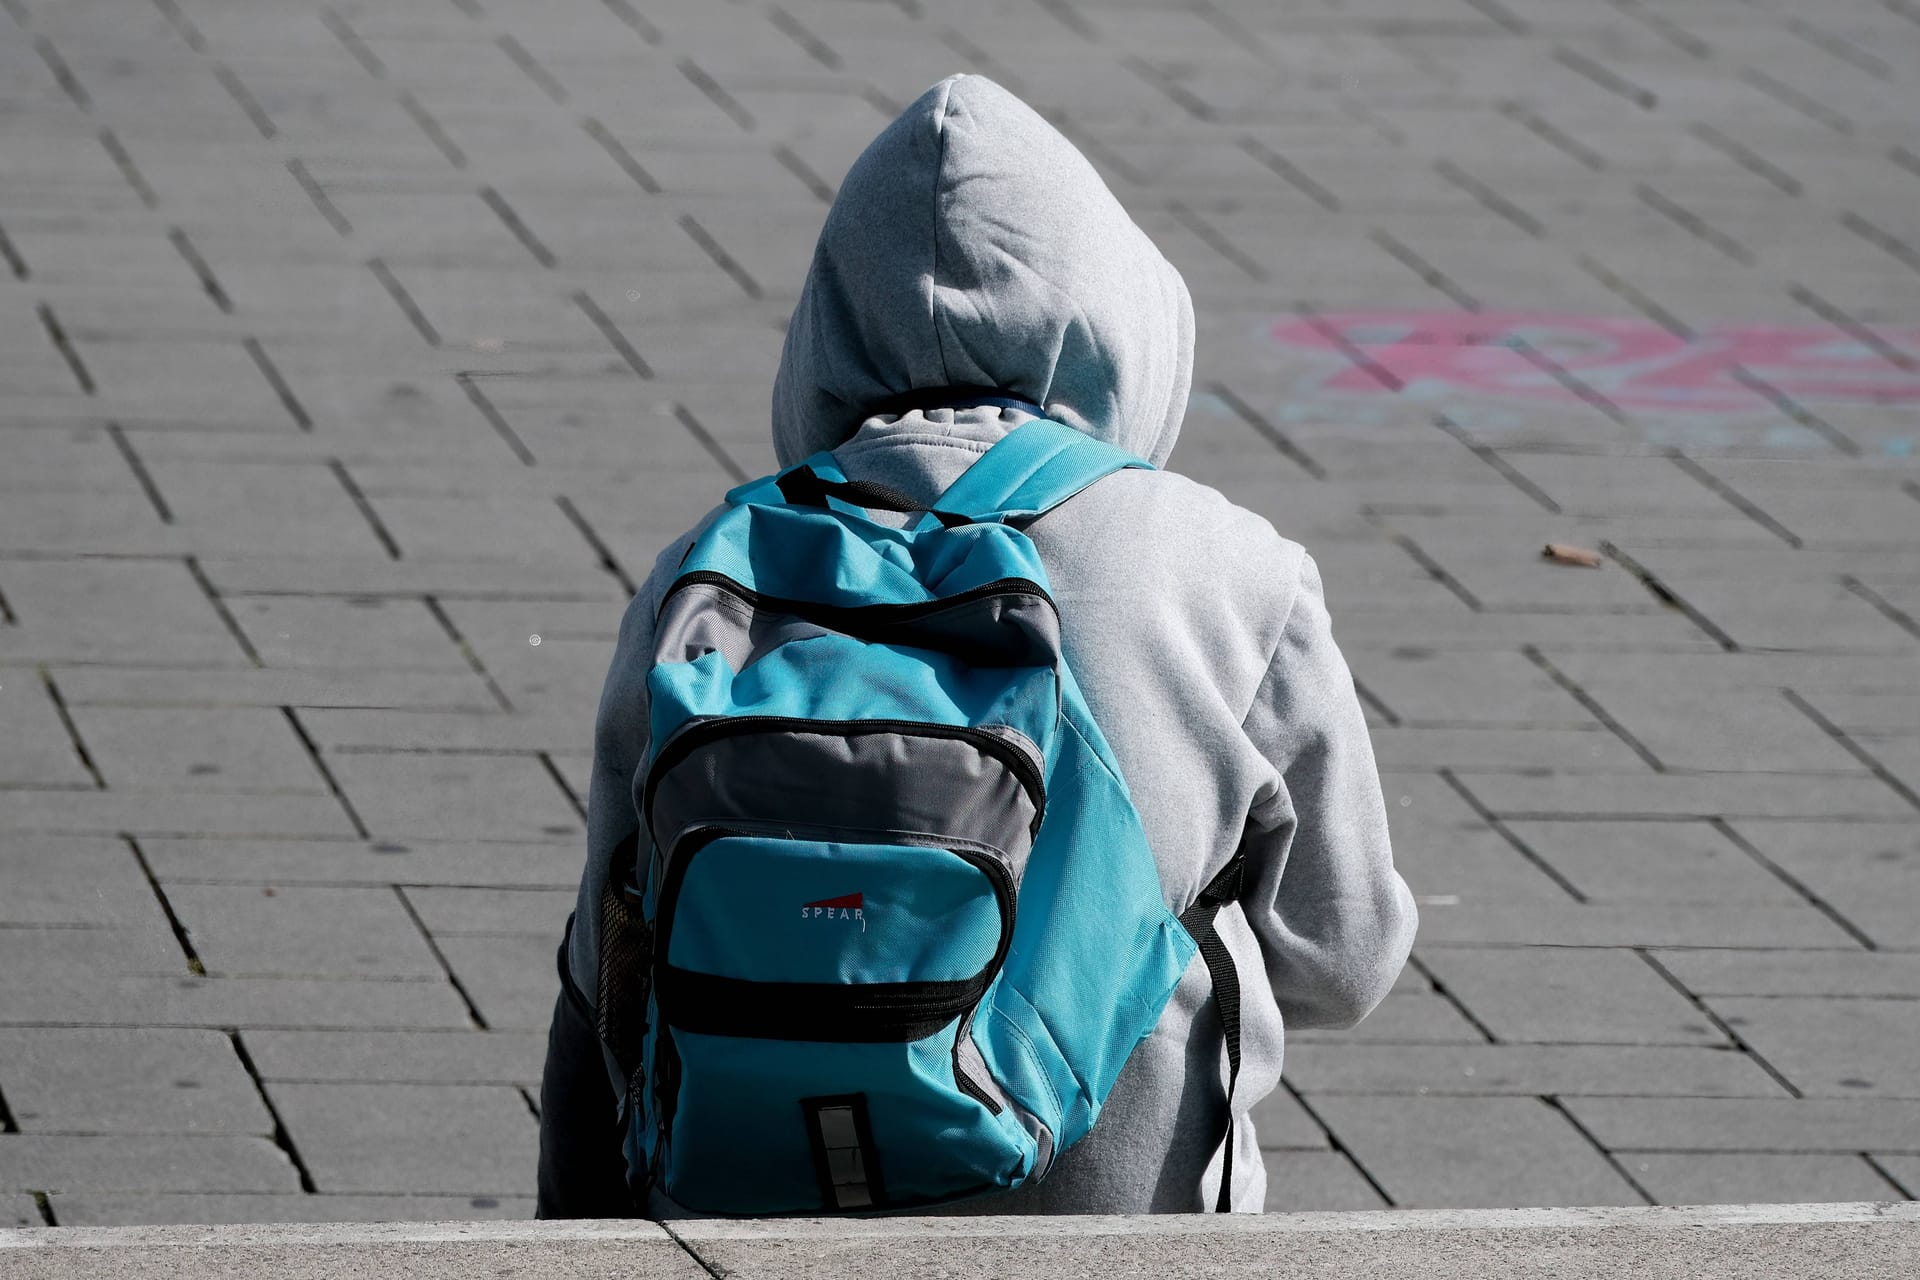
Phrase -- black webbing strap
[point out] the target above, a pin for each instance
(1198, 921)
(803, 487)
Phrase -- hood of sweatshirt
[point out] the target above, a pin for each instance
(971, 245)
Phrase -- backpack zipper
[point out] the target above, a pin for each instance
(698, 733)
(881, 614)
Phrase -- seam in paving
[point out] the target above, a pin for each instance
(1553, 1103)
(1338, 1144)
(1501, 16)
(326, 774)
(281, 1137)
(1489, 199)
(1434, 569)
(57, 334)
(440, 957)
(810, 44)
(1885, 241)
(1694, 224)
(1853, 328)
(621, 156)
(560, 781)
(1553, 136)
(67, 722)
(7, 1123)
(404, 300)
(1734, 498)
(1210, 236)
(711, 1268)
(1793, 882)
(1171, 89)
(199, 575)
(1500, 828)
(62, 73)
(1793, 409)
(1634, 298)
(271, 372)
(715, 94)
(182, 25)
(1720, 1024)
(1667, 596)
(627, 14)
(470, 384)
(327, 208)
(1672, 32)
(350, 41)
(141, 475)
(1747, 158)
(10, 254)
(430, 126)
(1853, 748)
(1446, 993)
(1787, 95)
(372, 517)
(608, 561)
(1492, 457)
(1886, 608)
(1272, 434)
(232, 83)
(204, 273)
(521, 231)
(519, 55)
(611, 332)
(1836, 46)
(1290, 172)
(1435, 278)
(467, 651)
(711, 443)
(178, 927)
(1605, 77)
(790, 161)
(44, 1203)
(1070, 18)
(721, 258)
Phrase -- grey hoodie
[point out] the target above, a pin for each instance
(972, 245)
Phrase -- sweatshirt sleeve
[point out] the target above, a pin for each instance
(1334, 920)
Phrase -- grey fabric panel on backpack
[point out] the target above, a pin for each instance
(865, 782)
(1012, 628)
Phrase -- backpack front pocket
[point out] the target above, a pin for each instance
(813, 995)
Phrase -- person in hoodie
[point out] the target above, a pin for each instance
(972, 246)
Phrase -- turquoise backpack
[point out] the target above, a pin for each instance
(896, 928)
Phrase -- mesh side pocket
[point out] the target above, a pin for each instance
(625, 946)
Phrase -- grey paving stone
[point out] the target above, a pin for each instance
(450, 912)
(1526, 1070)
(1795, 973)
(230, 749)
(1285, 1125)
(1672, 862)
(1904, 1170)
(85, 1209)
(302, 931)
(1752, 1178)
(352, 634)
(1460, 1152)
(1833, 1048)
(1422, 685)
(1648, 924)
(132, 1162)
(445, 690)
(57, 880)
(1403, 1017)
(98, 610)
(511, 978)
(1691, 795)
(1569, 995)
(111, 1080)
(1744, 1124)
(446, 796)
(369, 863)
(35, 747)
(1864, 871)
(400, 1138)
(20, 1211)
(400, 1057)
(79, 996)
(1305, 1181)
(180, 813)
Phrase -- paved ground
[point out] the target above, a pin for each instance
(356, 357)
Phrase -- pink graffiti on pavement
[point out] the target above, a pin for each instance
(1633, 363)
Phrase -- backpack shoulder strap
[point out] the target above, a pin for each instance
(1034, 468)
